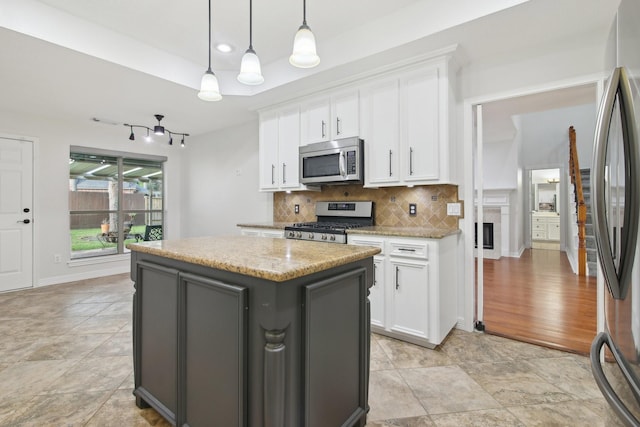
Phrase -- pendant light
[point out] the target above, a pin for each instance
(250, 72)
(304, 45)
(209, 88)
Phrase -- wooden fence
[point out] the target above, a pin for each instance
(92, 201)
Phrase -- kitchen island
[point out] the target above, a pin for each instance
(252, 331)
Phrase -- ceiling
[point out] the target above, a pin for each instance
(123, 61)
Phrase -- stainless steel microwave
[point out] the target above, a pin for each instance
(332, 162)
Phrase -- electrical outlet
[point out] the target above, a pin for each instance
(57, 258)
(412, 209)
(296, 208)
(453, 209)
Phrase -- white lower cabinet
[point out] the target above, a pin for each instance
(376, 292)
(409, 295)
(414, 293)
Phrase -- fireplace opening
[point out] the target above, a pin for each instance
(487, 235)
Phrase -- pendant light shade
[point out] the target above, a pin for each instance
(304, 45)
(250, 70)
(209, 88)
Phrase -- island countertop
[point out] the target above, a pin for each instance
(273, 259)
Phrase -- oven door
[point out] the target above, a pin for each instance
(326, 163)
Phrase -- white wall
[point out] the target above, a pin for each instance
(545, 136)
(500, 165)
(51, 190)
(220, 175)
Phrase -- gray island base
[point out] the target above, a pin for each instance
(282, 341)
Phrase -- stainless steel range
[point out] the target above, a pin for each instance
(334, 219)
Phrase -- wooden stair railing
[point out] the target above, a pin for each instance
(576, 180)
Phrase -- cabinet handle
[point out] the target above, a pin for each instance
(273, 174)
(375, 279)
(406, 249)
(284, 173)
(397, 274)
(323, 127)
(410, 160)
(390, 163)
(338, 125)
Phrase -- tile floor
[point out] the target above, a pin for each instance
(66, 360)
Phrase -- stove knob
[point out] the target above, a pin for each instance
(333, 237)
(299, 234)
(310, 235)
(290, 233)
(324, 237)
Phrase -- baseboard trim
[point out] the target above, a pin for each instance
(57, 280)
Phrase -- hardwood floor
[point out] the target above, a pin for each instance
(536, 298)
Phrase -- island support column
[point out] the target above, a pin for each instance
(274, 378)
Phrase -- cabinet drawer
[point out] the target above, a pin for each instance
(366, 241)
(539, 226)
(408, 249)
(553, 220)
(539, 235)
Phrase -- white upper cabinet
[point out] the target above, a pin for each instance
(279, 142)
(268, 151)
(380, 130)
(420, 132)
(405, 117)
(331, 117)
(406, 126)
(288, 143)
(316, 117)
(345, 118)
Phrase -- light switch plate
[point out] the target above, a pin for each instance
(453, 209)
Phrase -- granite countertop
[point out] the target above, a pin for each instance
(263, 257)
(421, 232)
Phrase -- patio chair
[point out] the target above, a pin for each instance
(153, 232)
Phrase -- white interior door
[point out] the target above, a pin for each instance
(16, 214)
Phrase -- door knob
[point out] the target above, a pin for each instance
(26, 221)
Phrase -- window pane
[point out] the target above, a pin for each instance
(100, 215)
(91, 236)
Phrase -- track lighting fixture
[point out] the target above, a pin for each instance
(209, 88)
(158, 130)
(250, 71)
(304, 45)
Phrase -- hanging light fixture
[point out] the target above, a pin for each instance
(304, 45)
(157, 129)
(250, 72)
(209, 88)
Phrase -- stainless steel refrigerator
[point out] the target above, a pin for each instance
(615, 179)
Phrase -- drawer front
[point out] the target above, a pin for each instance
(539, 227)
(409, 249)
(539, 235)
(366, 241)
(553, 220)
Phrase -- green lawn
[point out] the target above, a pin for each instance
(86, 238)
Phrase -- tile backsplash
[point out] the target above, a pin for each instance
(391, 204)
